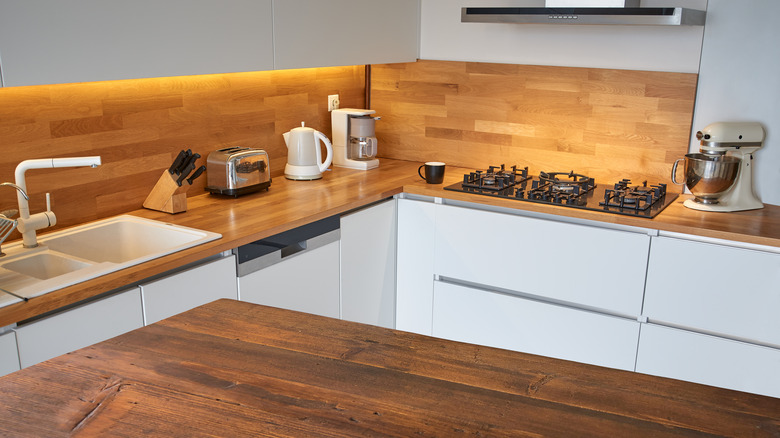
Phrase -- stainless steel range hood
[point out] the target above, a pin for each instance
(565, 15)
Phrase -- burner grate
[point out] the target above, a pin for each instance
(639, 198)
(495, 178)
(567, 189)
(561, 188)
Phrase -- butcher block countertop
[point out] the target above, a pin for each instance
(237, 369)
(289, 204)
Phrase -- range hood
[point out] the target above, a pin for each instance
(590, 15)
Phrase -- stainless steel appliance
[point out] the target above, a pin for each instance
(721, 176)
(354, 140)
(567, 189)
(237, 171)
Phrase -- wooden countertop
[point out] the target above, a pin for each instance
(236, 369)
(289, 204)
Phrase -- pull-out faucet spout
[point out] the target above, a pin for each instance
(28, 224)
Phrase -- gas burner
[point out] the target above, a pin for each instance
(495, 178)
(561, 188)
(638, 198)
(567, 189)
(566, 182)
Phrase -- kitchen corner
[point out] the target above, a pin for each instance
(289, 204)
(548, 242)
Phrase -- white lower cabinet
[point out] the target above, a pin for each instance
(190, 288)
(499, 320)
(79, 327)
(414, 266)
(714, 288)
(307, 282)
(587, 265)
(368, 265)
(715, 322)
(577, 291)
(710, 360)
(9, 355)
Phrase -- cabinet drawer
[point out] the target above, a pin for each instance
(714, 288)
(189, 289)
(307, 282)
(710, 360)
(79, 327)
(589, 266)
(9, 356)
(497, 320)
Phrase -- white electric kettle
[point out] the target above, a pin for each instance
(304, 157)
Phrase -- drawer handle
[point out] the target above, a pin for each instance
(295, 248)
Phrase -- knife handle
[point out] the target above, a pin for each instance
(196, 174)
(180, 158)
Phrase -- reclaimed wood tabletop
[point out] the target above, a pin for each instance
(235, 369)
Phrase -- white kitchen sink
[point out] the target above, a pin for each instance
(44, 266)
(77, 254)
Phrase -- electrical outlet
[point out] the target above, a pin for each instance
(333, 102)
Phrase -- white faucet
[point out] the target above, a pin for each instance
(28, 224)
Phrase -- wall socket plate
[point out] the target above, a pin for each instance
(333, 102)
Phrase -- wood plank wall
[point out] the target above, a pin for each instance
(608, 124)
(138, 127)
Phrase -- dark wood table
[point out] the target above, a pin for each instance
(235, 369)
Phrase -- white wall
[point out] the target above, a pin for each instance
(655, 48)
(740, 79)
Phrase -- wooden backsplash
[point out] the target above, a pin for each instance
(608, 124)
(138, 127)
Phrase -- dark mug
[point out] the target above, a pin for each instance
(434, 172)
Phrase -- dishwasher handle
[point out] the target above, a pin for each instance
(277, 252)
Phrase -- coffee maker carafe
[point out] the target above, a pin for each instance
(362, 142)
(354, 140)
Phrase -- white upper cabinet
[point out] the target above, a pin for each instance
(53, 41)
(322, 33)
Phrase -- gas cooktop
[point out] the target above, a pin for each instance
(567, 189)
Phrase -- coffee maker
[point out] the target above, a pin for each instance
(354, 138)
(721, 176)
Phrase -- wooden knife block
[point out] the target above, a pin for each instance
(167, 196)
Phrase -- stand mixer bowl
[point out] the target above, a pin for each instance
(708, 177)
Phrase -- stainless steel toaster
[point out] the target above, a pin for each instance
(237, 171)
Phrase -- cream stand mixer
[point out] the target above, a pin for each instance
(721, 176)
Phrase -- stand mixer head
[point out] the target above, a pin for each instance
(721, 176)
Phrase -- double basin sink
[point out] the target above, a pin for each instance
(77, 254)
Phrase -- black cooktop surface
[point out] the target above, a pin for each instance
(567, 189)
